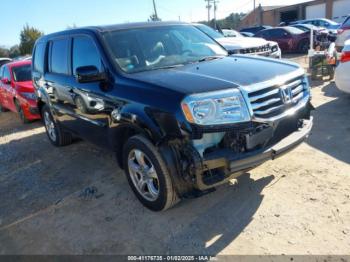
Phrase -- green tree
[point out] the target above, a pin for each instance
(4, 52)
(28, 37)
(14, 51)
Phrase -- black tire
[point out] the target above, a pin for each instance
(304, 46)
(20, 112)
(167, 196)
(61, 137)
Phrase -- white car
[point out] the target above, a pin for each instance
(4, 60)
(342, 76)
(243, 45)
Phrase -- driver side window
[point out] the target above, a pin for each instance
(85, 53)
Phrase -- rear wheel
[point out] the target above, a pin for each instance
(21, 114)
(148, 175)
(57, 136)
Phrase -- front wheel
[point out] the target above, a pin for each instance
(21, 114)
(57, 136)
(148, 175)
(2, 109)
(304, 46)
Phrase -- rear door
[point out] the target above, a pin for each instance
(282, 37)
(7, 90)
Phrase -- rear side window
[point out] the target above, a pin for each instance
(59, 56)
(39, 57)
(7, 73)
(85, 53)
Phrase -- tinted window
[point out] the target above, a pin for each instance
(59, 56)
(39, 56)
(209, 31)
(347, 22)
(85, 53)
(277, 33)
(22, 73)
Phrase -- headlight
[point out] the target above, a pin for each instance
(216, 108)
(31, 96)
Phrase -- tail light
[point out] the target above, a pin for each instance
(345, 57)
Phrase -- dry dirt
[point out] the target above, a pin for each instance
(298, 204)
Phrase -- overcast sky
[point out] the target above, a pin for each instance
(54, 15)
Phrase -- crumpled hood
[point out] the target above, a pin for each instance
(26, 87)
(227, 72)
(233, 43)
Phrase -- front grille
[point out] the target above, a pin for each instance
(255, 50)
(270, 102)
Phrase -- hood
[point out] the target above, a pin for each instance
(26, 86)
(233, 43)
(223, 73)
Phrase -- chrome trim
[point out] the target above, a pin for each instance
(263, 112)
(266, 103)
(272, 92)
(302, 103)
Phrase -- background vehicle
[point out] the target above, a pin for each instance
(289, 39)
(181, 115)
(17, 92)
(321, 35)
(343, 34)
(255, 29)
(231, 33)
(342, 76)
(247, 34)
(330, 25)
(4, 61)
(243, 45)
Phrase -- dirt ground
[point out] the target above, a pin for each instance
(75, 200)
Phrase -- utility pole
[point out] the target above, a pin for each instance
(215, 8)
(208, 6)
(254, 12)
(155, 10)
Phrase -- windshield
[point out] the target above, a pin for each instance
(22, 73)
(209, 31)
(294, 31)
(151, 48)
(231, 33)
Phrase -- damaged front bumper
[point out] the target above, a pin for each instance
(232, 164)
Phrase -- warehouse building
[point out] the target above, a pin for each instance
(335, 10)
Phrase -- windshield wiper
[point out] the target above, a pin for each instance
(167, 67)
(208, 58)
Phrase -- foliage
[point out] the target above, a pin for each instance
(28, 36)
(230, 22)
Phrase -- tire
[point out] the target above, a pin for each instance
(21, 114)
(304, 46)
(3, 109)
(57, 136)
(158, 194)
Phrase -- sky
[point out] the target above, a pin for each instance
(54, 15)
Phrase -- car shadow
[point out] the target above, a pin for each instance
(230, 218)
(331, 131)
(11, 124)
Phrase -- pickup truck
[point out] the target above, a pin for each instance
(181, 115)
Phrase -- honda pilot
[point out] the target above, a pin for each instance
(181, 115)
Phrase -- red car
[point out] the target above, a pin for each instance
(290, 39)
(17, 91)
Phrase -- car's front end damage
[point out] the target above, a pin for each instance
(254, 124)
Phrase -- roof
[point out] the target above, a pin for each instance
(19, 63)
(272, 7)
(115, 27)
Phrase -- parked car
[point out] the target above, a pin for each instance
(247, 34)
(343, 34)
(321, 35)
(342, 76)
(4, 60)
(17, 92)
(181, 115)
(255, 29)
(243, 45)
(230, 33)
(330, 25)
(289, 39)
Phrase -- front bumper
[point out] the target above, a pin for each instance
(238, 164)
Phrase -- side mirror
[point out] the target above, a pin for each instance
(88, 74)
(6, 81)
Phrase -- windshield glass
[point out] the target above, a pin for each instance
(22, 73)
(294, 31)
(151, 48)
(209, 31)
(231, 33)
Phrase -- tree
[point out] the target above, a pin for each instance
(14, 51)
(4, 52)
(28, 37)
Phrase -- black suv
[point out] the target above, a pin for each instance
(181, 115)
